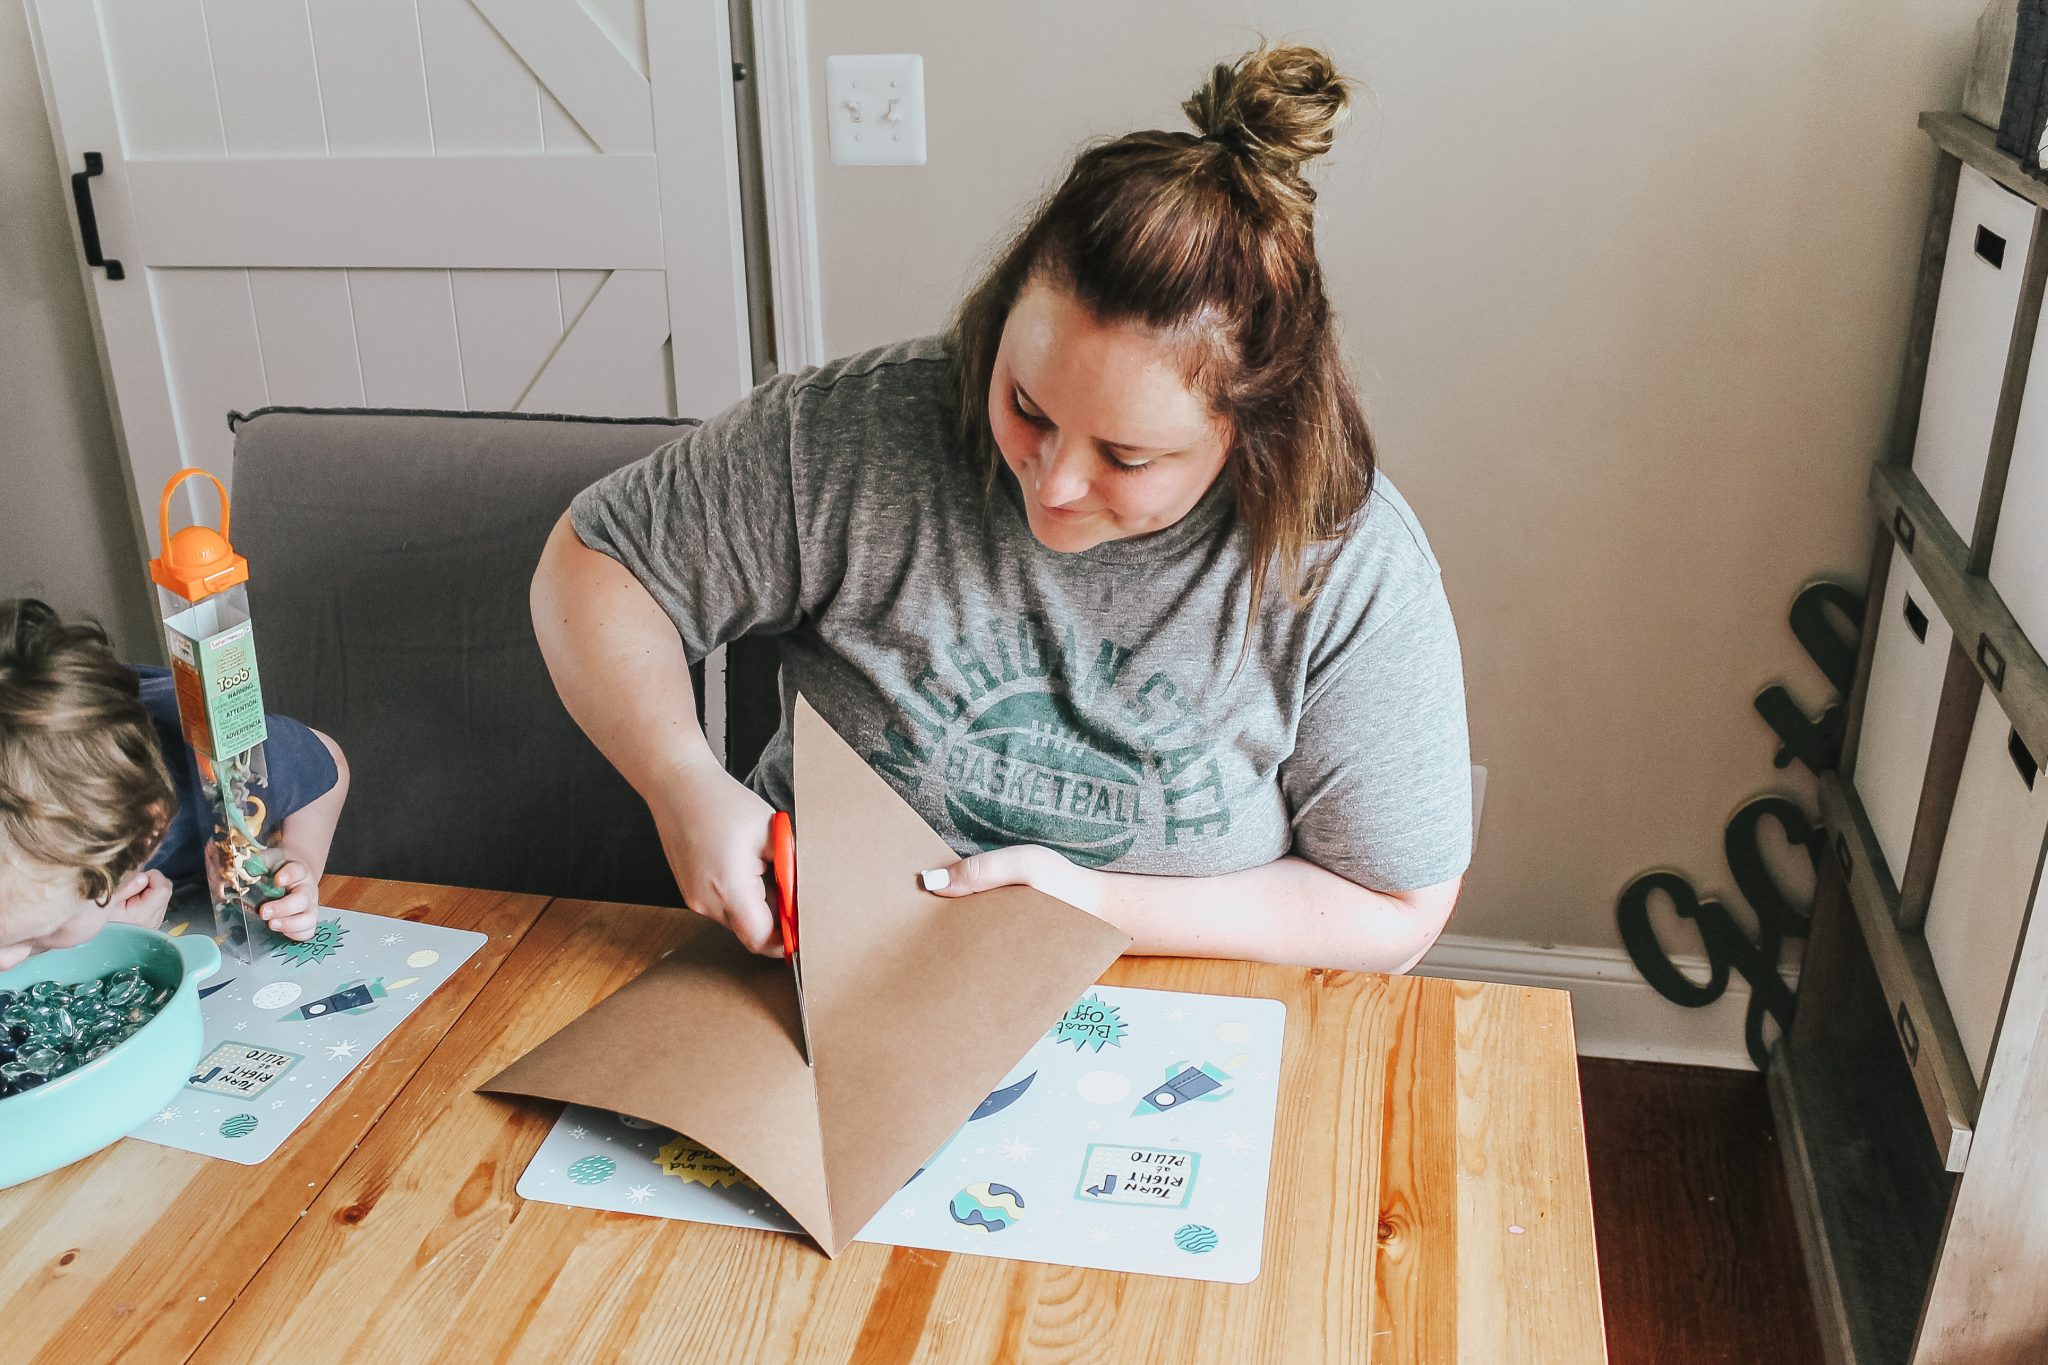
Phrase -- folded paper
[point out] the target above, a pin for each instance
(917, 1007)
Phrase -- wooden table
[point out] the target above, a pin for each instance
(1431, 1205)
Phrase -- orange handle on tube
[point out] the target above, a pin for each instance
(198, 561)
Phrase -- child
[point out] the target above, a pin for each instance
(101, 811)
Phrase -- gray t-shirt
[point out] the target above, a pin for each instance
(1091, 702)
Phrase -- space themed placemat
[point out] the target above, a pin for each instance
(1136, 1135)
(284, 1031)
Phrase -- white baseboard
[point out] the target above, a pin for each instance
(1614, 1011)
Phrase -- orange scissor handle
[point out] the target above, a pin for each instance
(782, 854)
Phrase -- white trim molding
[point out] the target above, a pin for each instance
(1614, 1011)
(782, 54)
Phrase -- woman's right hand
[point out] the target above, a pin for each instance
(714, 829)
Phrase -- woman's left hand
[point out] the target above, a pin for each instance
(1031, 865)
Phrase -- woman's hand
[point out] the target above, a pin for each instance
(1031, 865)
(714, 829)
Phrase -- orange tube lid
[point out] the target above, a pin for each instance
(199, 561)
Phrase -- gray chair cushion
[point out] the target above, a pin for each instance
(389, 558)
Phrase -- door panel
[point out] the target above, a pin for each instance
(469, 204)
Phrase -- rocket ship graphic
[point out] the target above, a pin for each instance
(357, 997)
(1186, 1082)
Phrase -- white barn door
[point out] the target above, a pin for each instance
(497, 205)
(491, 205)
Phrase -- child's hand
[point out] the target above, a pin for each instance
(142, 899)
(296, 913)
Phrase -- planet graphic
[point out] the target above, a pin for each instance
(277, 995)
(1102, 1087)
(1193, 1237)
(240, 1125)
(987, 1207)
(1233, 1032)
(1039, 774)
(425, 957)
(592, 1170)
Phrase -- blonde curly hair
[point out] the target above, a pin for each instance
(83, 787)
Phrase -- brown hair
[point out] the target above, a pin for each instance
(1210, 240)
(82, 780)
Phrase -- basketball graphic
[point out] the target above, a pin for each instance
(1029, 771)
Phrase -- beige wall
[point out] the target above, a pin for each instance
(67, 532)
(1624, 284)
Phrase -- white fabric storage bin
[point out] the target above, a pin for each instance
(2019, 550)
(1898, 710)
(1986, 876)
(1980, 291)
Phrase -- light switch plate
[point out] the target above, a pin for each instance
(874, 105)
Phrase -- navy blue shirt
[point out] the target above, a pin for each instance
(301, 772)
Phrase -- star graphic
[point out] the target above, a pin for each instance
(1176, 1014)
(1263, 1076)
(1101, 1236)
(640, 1194)
(1236, 1142)
(241, 1025)
(345, 1048)
(277, 1104)
(1015, 1149)
(577, 1131)
(1094, 1125)
(390, 939)
(167, 1115)
(908, 1213)
(414, 996)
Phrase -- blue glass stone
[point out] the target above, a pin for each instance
(51, 1029)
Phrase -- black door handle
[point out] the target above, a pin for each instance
(88, 222)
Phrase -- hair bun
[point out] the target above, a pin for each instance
(1281, 106)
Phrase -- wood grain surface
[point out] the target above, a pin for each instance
(136, 1252)
(1429, 1202)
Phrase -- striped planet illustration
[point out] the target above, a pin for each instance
(592, 1170)
(1195, 1238)
(987, 1207)
(238, 1126)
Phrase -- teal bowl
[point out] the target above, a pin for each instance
(77, 1114)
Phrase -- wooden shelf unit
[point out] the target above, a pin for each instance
(1921, 1193)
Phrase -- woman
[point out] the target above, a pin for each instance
(1102, 581)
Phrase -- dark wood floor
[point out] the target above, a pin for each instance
(1699, 1257)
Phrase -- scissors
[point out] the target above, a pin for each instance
(782, 858)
